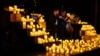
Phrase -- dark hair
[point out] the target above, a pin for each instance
(56, 9)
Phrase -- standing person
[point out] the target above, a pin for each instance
(54, 21)
(62, 23)
(63, 15)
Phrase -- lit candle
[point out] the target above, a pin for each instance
(11, 8)
(53, 50)
(44, 29)
(41, 19)
(43, 41)
(33, 30)
(24, 25)
(31, 33)
(57, 49)
(62, 51)
(23, 19)
(31, 23)
(37, 26)
(15, 9)
(81, 50)
(67, 50)
(29, 27)
(39, 32)
(56, 39)
(50, 49)
(46, 41)
(45, 36)
(51, 39)
(40, 41)
(33, 26)
(27, 17)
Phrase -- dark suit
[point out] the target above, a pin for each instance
(53, 24)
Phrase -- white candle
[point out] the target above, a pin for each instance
(31, 23)
(62, 51)
(27, 17)
(41, 19)
(40, 41)
(45, 36)
(33, 26)
(47, 48)
(33, 30)
(24, 25)
(44, 29)
(11, 8)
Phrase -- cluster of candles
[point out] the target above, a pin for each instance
(71, 47)
(88, 31)
(38, 33)
(37, 29)
(46, 39)
(26, 20)
(16, 15)
(29, 23)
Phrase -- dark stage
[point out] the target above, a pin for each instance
(14, 40)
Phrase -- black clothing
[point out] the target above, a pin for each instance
(53, 24)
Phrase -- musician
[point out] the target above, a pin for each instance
(61, 24)
(54, 21)
(65, 27)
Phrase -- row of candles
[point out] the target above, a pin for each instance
(38, 33)
(15, 9)
(45, 39)
(71, 47)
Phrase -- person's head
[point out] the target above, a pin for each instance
(6, 8)
(63, 12)
(56, 11)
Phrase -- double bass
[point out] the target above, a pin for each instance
(69, 27)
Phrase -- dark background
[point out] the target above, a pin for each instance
(88, 10)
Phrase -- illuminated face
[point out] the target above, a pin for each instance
(63, 13)
(56, 12)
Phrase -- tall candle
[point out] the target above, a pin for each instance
(15, 9)
(33, 30)
(45, 36)
(24, 25)
(40, 41)
(31, 23)
(47, 48)
(44, 29)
